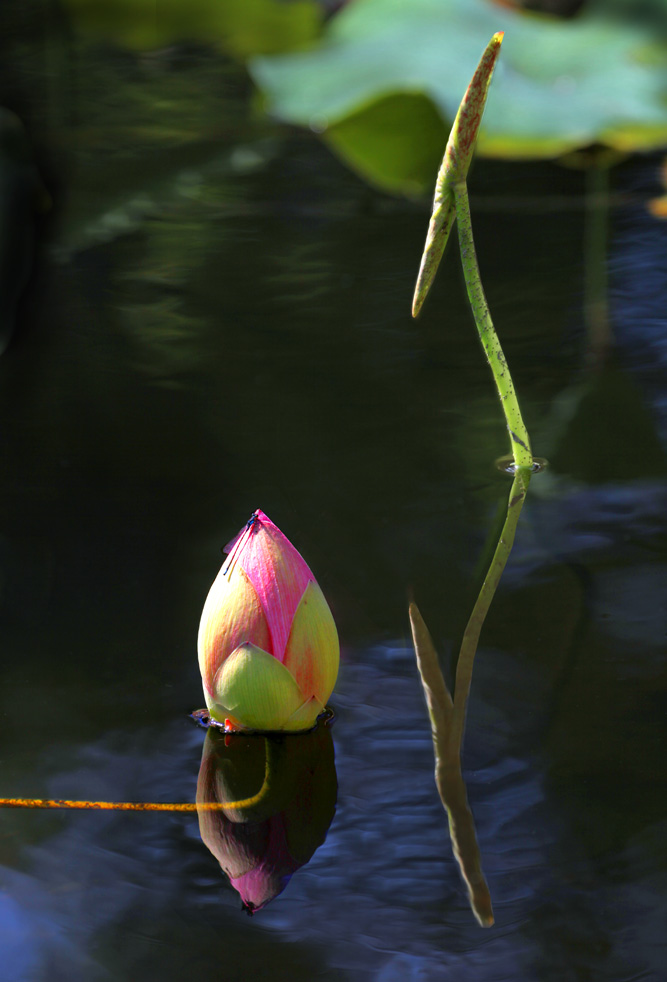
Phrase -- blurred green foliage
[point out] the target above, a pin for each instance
(395, 142)
(241, 27)
(384, 82)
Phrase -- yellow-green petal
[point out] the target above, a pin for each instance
(305, 716)
(312, 654)
(231, 616)
(256, 690)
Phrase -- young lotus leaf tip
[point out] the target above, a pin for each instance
(454, 168)
(268, 646)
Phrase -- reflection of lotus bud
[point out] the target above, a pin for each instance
(268, 647)
(287, 792)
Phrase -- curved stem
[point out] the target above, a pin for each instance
(520, 440)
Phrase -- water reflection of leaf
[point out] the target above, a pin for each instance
(397, 141)
(597, 426)
(448, 776)
(242, 27)
(565, 84)
(288, 788)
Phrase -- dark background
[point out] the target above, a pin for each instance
(217, 319)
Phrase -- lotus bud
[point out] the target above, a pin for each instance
(268, 647)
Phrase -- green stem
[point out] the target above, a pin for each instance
(474, 626)
(520, 440)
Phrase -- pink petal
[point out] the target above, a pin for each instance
(276, 570)
(273, 872)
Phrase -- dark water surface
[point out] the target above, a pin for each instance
(219, 321)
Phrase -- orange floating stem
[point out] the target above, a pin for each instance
(122, 806)
(149, 806)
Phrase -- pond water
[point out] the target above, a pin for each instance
(219, 320)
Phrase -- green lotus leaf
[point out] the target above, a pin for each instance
(559, 85)
(401, 136)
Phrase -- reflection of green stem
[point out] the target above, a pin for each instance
(482, 604)
(448, 716)
(494, 352)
